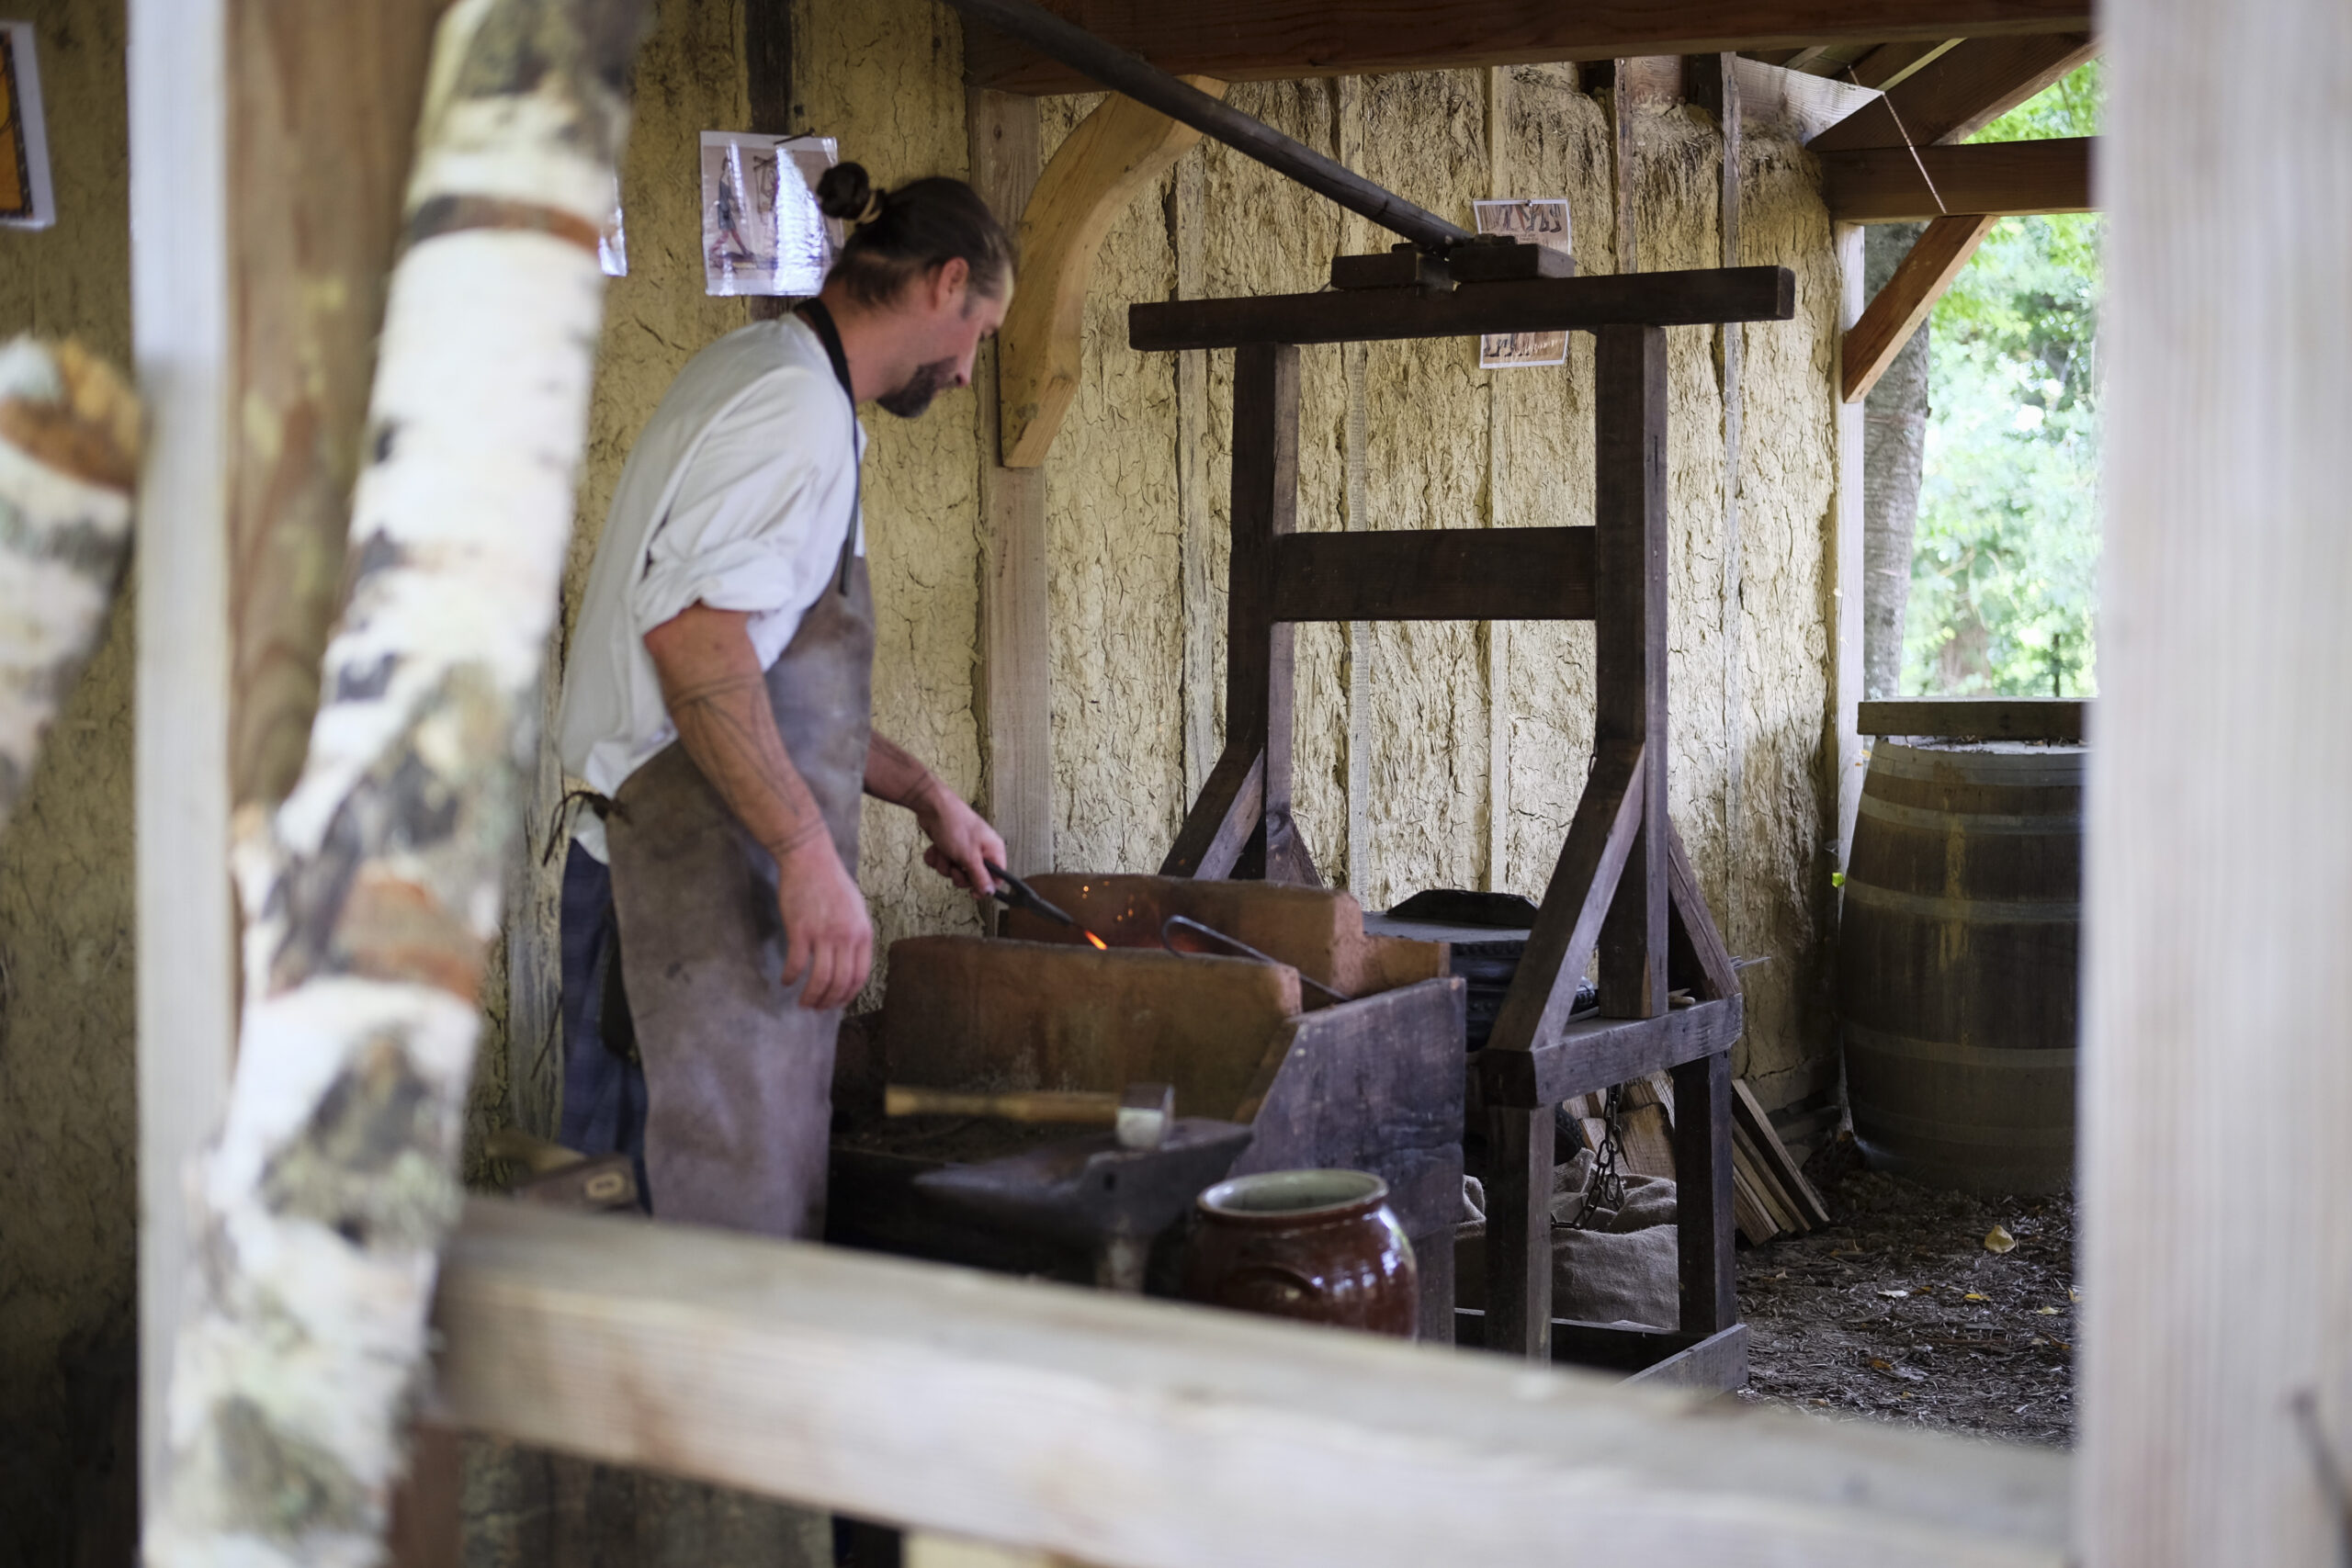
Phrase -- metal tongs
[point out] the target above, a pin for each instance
(1243, 948)
(1018, 895)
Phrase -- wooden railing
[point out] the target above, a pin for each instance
(1143, 1434)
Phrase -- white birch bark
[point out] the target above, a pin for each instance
(371, 893)
(69, 446)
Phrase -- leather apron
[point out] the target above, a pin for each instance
(738, 1076)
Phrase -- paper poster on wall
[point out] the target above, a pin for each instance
(761, 231)
(25, 199)
(1531, 222)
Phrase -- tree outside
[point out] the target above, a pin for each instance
(2003, 571)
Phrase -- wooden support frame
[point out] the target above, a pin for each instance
(1919, 280)
(1884, 185)
(1116, 151)
(1254, 40)
(1622, 889)
(1965, 89)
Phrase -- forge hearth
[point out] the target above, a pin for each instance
(1373, 1083)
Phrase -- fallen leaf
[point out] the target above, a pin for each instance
(1973, 1296)
(2072, 1294)
(1894, 1295)
(2037, 1340)
(2045, 1312)
(1880, 1365)
(1998, 1240)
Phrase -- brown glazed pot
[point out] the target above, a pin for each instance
(1316, 1246)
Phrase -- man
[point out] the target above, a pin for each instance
(718, 702)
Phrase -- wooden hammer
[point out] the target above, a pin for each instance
(1139, 1117)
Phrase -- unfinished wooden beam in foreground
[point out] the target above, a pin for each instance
(1906, 185)
(1920, 280)
(1139, 1434)
(1256, 41)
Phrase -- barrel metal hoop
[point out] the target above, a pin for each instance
(2036, 768)
(1952, 1052)
(1972, 824)
(1966, 912)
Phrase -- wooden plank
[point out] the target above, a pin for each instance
(1748, 1112)
(1255, 40)
(2215, 1417)
(427, 1527)
(1118, 151)
(1978, 718)
(1593, 1052)
(1964, 90)
(1435, 574)
(1219, 827)
(1901, 185)
(181, 291)
(1016, 642)
(1919, 280)
(1260, 649)
(767, 94)
(1630, 646)
(1774, 102)
(1576, 901)
(1702, 1192)
(1128, 1431)
(1519, 1156)
(1844, 761)
(1550, 304)
(1716, 1364)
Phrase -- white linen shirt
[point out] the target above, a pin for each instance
(736, 496)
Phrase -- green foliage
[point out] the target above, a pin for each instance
(2003, 574)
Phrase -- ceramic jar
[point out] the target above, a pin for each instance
(1316, 1246)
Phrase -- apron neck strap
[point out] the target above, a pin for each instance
(820, 320)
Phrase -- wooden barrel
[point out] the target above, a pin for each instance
(1957, 962)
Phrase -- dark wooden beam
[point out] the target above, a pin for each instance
(1961, 93)
(1702, 1191)
(1259, 649)
(1887, 185)
(1977, 718)
(1895, 312)
(1436, 574)
(1889, 64)
(1551, 304)
(1593, 1052)
(1222, 822)
(1255, 40)
(1630, 645)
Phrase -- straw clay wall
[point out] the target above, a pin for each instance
(1430, 755)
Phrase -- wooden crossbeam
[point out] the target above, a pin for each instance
(1254, 40)
(1117, 150)
(1114, 1430)
(1962, 92)
(1591, 1052)
(1889, 64)
(1435, 574)
(1901, 185)
(1977, 718)
(1895, 312)
(1219, 827)
(1552, 304)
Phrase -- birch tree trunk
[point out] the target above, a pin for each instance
(69, 454)
(1894, 445)
(372, 891)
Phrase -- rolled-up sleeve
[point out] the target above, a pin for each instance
(736, 533)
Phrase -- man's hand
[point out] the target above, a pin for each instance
(828, 935)
(961, 841)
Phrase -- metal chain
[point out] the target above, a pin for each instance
(1607, 1187)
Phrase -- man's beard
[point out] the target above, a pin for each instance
(915, 396)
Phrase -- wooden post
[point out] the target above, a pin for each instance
(1630, 590)
(1847, 758)
(1257, 670)
(180, 310)
(1702, 1190)
(2217, 1374)
(1016, 652)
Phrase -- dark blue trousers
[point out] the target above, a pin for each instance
(604, 1080)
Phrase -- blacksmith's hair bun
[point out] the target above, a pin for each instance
(844, 191)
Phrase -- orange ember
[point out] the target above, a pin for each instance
(1100, 946)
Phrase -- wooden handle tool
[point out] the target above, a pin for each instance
(1088, 1106)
